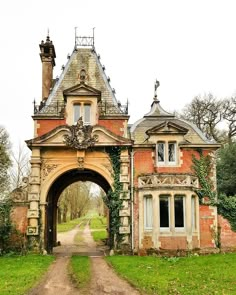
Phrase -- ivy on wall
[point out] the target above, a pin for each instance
(226, 205)
(112, 199)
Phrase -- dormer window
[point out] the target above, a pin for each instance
(166, 153)
(82, 110)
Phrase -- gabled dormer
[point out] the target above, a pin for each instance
(82, 100)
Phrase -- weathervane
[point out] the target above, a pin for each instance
(156, 85)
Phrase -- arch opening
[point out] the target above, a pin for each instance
(59, 185)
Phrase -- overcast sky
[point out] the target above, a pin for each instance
(189, 46)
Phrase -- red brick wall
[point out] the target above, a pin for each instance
(186, 160)
(19, 218)
(206, 216)
(115, 126)
(227, 236)
(143, 162)
(47, 125)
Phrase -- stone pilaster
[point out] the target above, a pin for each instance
(33, 214)
(125, 196)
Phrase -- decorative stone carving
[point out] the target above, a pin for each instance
(124, 212)
(124, 178)
(19, 195)
(80, 136)
(33, 197)
(47, 169)
(80, 163)
(34, 179)
(125, 195)
(32, 230)
(124, 229)
(32, 213)
(165, 180)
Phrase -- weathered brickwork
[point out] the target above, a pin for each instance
(227, 236)
(114, 125)
(44, 126)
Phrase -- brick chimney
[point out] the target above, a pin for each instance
(47, 55)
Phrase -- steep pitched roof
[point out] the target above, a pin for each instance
(85, 59)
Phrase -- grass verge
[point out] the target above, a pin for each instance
(80, 270)
(18, 274)
(98, 228)
(213, 274)
(67, 226)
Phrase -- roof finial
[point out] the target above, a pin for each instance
(48, 38)
(156, 85)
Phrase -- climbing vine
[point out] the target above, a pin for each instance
(202, 168)
(112, 199)
(226, 205)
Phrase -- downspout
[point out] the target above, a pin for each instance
(132, 198)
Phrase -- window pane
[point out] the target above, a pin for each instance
(171, 152)
(148, 211)
(164, 211)
(87, 113)
(193, 213)
(161, 152)
(76, 112)
(179, 212)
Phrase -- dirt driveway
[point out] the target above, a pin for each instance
(104, 279)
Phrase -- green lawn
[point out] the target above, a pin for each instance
(66, 226)
(98, 222)
(18, 274)
(80, 270)
(98, 226)
(199, 275)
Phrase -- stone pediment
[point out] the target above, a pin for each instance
(167, 127)
(82, 89)
(79, 137)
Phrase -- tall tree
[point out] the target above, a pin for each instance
(229, 115)
(20, 166)
(206, 113)
(226, 170)
(5, 161)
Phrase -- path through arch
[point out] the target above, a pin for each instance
(104, 279)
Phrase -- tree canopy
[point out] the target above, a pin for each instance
(216, 118)
(226, 170)
(5, 161)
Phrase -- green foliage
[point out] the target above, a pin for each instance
(5, 161)
(202, 168)
(226, 205)
(5, 225)
(227, 208)
(80, 270)
(226, 170)
(112, 199)
(18, 274)
(186, 275)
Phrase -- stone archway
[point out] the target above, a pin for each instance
(54, 193)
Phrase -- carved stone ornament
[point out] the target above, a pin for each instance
(80, 136)
(80, 163)
(47, 168)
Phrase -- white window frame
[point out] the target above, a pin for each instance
(180, 229)
(193, 213)
(146, 199)
(162, 229)
(82, 107)
(166, 161)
